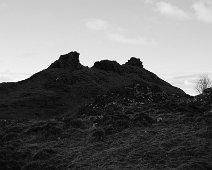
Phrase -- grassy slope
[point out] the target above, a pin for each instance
(180, 140)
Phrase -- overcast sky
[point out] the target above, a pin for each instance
(172, 38)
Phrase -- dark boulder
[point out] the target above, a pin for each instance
(134, 62)
(108, 65)
(68, 61)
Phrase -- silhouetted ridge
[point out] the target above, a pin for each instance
(114, 66)
(69, 61)
(108, 65)
(67, 85)
(134, 62)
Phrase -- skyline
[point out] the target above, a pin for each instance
(173, 39)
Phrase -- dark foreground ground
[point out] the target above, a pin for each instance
(123, 129)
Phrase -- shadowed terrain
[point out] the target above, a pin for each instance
(110, 116)
(67, 85)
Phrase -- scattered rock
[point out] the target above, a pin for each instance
(159, 119)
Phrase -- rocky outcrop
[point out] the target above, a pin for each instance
(134, 62)
(108, 65)
(68, 61)
(67, 85)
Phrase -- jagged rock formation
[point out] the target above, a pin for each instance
(113, 66)
(66, 85)
(68, 61)
(134, 62)
(108, 65)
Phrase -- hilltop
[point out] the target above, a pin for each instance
(66, 85)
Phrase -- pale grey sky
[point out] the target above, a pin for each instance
(172, 38)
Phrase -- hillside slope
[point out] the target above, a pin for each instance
(66, 85)
(110, 116)
(130, 128)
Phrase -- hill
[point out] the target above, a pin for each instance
(109, 116)
(66, 85)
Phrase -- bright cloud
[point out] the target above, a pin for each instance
(115, 33)
(203, 11)
(170, 10)
(129, 40)
(97, 24)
